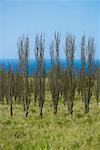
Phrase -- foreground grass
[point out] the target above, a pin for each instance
(60, 132)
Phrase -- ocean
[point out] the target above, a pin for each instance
(32, 64)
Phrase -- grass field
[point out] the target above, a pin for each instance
(60, 132)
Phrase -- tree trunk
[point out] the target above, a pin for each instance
(24, 107)
(41, 107)
(55, 110)
(35, 102)
(27, 111)
(86, 108)
(97, 100)
(70, 106)
(55, 106)
(11, 109)
(15, 98)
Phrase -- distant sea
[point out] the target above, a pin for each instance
(32, 64)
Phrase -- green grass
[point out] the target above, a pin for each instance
(60, 132)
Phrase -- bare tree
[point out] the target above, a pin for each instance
(83, 68)
(23, 46)
(70, 49)
(40, 70)
(35, 75)
(87, 71)
(10, 88)
(54, 73)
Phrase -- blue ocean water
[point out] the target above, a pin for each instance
(32, 64)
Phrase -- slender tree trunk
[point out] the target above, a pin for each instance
(11, 108)
(24, 105)
(41, 107)
(15, 98)
(27, 111)
(35, 101)
(55, 109)
(97, 100)
(86, 107)
(70, 106)
(55, 106)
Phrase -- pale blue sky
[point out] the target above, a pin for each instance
(30, 17)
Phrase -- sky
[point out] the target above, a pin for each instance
(18, 17)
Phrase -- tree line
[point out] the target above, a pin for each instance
(62, 82)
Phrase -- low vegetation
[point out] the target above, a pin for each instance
(60, 132)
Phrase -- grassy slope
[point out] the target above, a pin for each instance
(61, 132)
